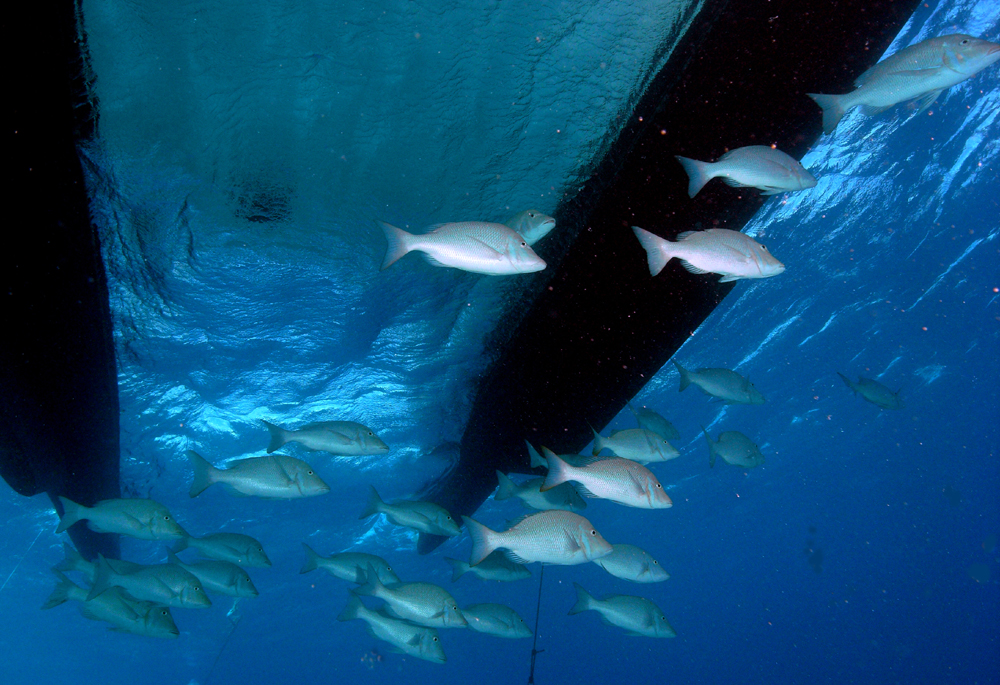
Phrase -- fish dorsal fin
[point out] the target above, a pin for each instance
(681, 237)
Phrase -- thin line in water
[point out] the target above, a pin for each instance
(20, 560)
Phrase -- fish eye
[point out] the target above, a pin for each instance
(197, 589)
(655, 562)
(166, 518)
(763, 248)
(435, 639)
(594, 533)
(164, 612)
(531, 214)
(965, 41)
(659, 485)
(370, 433)
(310, 472)
(524, 244)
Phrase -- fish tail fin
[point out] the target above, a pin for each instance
(72, 560)
(352, 610)
(458, 568)
(583, 600)
(371, 585)
(374, 505)
(181, 545)
(173, 558)
(536, 459)
(833, 109)
(711, 448)
(685, 377)
(699, 173)
(204, 473)
(657, 252)
(72, 512)
(558, 472)
(483, 543)
(506, 489)
(61, 592)
(279, 436)
(849, 383)
(311, 559)
(399, 244)
(102, 577)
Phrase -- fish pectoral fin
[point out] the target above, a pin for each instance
(439, 614)
(572, 544)
(414, 641)
(497, 253)
(339, 437)
(170, 590)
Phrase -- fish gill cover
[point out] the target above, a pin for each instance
(243, 263)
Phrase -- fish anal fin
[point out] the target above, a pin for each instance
(926, 100)
(515, 557)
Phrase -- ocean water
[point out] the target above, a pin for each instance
(864, 550)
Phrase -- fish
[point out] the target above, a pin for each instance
(341, 438)
(425, 517)
(74, 561)
(145, 519)
(475, 246)
(237, 548)
(731, 254)
(166, 584)
(563, 497)
(723, 384)
(538, 460)
(275, 476)
(496, 566)
(755, 166)
(417, 641)
(115, 606)
(496, 619)
(531, 224)
(620, 480)
(734, 448)
(220, 577)
(637, 615)
(349, 566)
(551, 537)
(633, 563)
(919, 72)
(650, 420)
(637, 444)
(425, 604)
(874, 392)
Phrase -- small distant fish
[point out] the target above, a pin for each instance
(532, 225)
(425, 604)
(723, 384)
(637, 615)
(115, 606)
(166, 584)
(349, 566)
(237, 548)
(496, 619)
(919, 72)
(551, 537)
(633, 563)
(417, 641)
(650, 420)
(276, 476)
(476, 246)
(342, 438)
(756, 166)
(734, 448)
(219, 577)
(494, 567)
(874, 392)
(620, 480)
(138, 518)
(74, 561)
(425, 517)
(731, 254)
(563, 497)
(638, 444)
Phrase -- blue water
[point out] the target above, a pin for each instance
(223, 319)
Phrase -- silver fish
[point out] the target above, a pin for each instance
(756, 166)
(620, 480)
(563, 497)
(425, 604)
(220, 577)
(342, 438)
(418, 641)
(919, 72)
(532, 225)
(115, 606)
(166, 584)
(633, 563)
(637, 615)
(476, 246)
(425, 517)
(494, 567)
(723, 384)
(650, 420)
(276, 476)
(551, 537)
(638, 444)
(496, 619)
(138, 518)
(237, 548)
(734, 448)
(349, 566)
(731, 254)
(874, 392)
